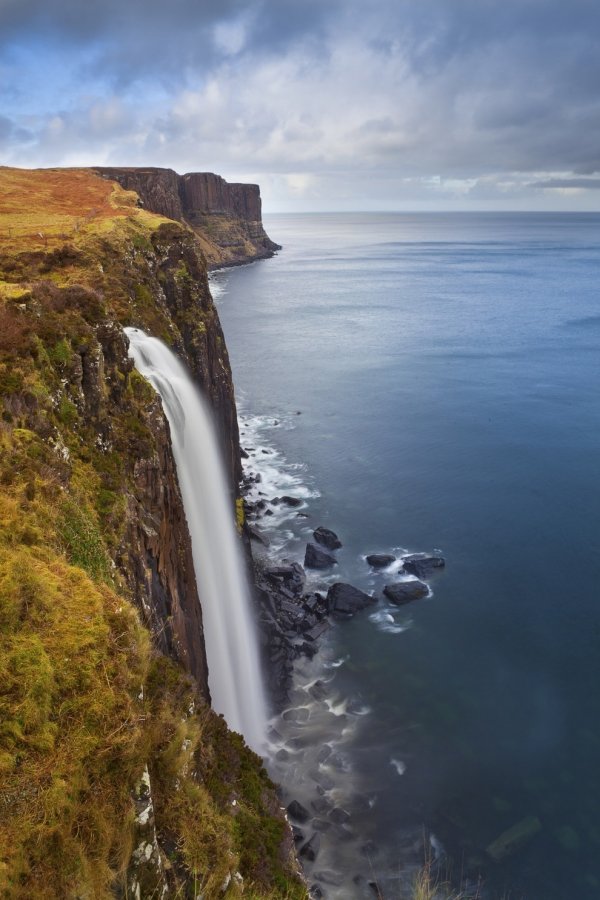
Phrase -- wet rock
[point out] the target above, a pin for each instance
(315, 633)
(296, 811)
(327, 876)
(405, 591)
(345, 599)
(321, 824)
(339, 816)
(314, 890)
(297, 834)
(318, 691)
(315, 558)
(296, 715)
(310, 850)
(282, 755)
(422, 565)
(327, 538)
(255, 535)
(320, 806)
(290, 501)
(380, 560)
(514, 838)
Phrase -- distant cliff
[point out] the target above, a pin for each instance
(116, 777)
(226, 217)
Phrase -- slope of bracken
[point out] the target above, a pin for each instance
(116, 778)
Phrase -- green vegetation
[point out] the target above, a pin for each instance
(85, 701)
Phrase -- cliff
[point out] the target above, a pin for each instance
(227, 218)
(116, 778)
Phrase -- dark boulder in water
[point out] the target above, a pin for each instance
(380, 560)
(311, 848)
(327, 538)
(296, 811)
(315, 558)
(405, 591)
(422, 565)
(345, 599)
(291, 501)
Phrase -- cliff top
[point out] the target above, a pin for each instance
(42, 208)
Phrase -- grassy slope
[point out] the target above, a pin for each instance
(76, 728)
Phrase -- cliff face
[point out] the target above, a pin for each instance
(226, 217)
(115, 775)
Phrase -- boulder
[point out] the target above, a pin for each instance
(422, 565)
(315, 558)
(327, 538)
(405, 591)
(380, 560)
(311, 848)
(345, 599)
(297, 812)
(291, 501)
(514, 838)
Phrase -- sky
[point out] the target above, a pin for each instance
(327, 104)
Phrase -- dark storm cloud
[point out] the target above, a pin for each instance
(132, 39)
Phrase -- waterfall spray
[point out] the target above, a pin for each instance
(234, 675)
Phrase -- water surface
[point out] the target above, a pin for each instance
(446, 369)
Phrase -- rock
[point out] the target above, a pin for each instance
(339, 816)
(314, 558)
(514, 838)
(380, 560)
(345, 599)
(422, 565)
(321, 824)
(291, 501)
(255, 535)
(296, 811)
(402, 592)
(329, 877)
(313, 634)
(310, 849)
(282, 755)
(327, 538)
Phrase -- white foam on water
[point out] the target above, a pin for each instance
(398, 765)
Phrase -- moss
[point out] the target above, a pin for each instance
(82, 539)
(240, 516)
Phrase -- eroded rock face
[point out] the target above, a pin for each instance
(227, 217)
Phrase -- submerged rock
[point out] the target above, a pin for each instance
(380, 560)
(422, 565)
(315, 558)
(514, 838)
(327, 538)
(345, 599)
(405, 591)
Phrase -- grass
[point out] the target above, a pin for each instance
(85, 701)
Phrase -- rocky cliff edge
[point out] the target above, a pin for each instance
(227, 218)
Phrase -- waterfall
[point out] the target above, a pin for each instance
(234, 675)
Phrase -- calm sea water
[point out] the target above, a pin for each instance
(447, 372)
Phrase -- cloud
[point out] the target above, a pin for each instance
(457, 101)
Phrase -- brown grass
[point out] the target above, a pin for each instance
(41, 208)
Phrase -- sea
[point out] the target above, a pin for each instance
(431, 382)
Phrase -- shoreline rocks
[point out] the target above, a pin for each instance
(344, 599)
(401, 592)
(327, 538)
(380, 560)
(316, 558)
(422, 564)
